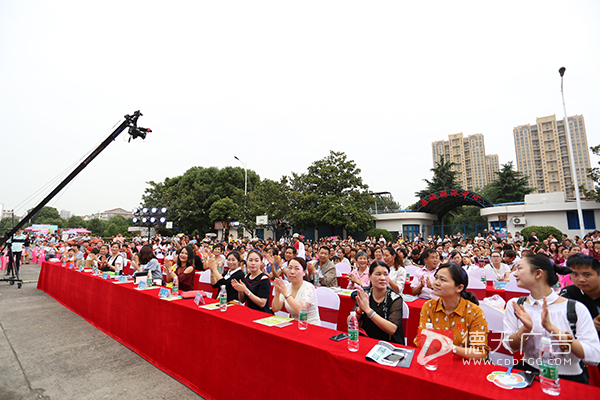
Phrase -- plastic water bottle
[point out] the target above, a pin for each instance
(548, 369)
(483, 277)
(64, 262)
(353, 332)
(303, 316)
(432, 365)
(316, 280)
(149, 280)
(223, 299)
(175, 289)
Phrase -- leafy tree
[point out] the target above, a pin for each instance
(75, 222)
(375, 232)
(443, 178)
(594, 175)
(466, 215)
(190, 196)
(97, 226)
(541, 232)
(269, 198)
(330, 193)
(511, 186)
(224, 210)
(6, 224)
(48, 215)
(383, 203)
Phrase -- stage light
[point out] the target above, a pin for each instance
(152, 220)
(154, 210)
(144, 220)
(145, 210)
(135, 220)
(163, 220)
(163, 210)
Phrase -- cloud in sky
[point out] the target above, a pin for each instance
(278, 84)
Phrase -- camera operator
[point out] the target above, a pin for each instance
(16, 245)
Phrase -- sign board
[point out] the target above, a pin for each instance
(169, 225)
(262, 220)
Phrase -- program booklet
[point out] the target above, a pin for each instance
(385, 354)
(275, 321)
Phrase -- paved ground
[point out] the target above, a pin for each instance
(49, 352)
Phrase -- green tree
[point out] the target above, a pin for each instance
(466, 215)
(75, 222)
(190, 196)
(48, 215)
(97, 226)
(384, 203)
(541, 232)
(594, 175)
(510, 186)
(269, 198)
(224, 210)
(331, 193)
(443, 178)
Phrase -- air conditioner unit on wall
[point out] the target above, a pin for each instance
(519, 221)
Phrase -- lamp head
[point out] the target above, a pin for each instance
(561, 71)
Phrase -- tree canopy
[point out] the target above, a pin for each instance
(511, 186)
(443, 178)
(330, 193)
(594, 175)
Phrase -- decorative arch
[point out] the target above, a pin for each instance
(441, 202)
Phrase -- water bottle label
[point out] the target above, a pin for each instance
(549, 371)
(303, 316)
(223, 300)
(353, 334)
(175, 290)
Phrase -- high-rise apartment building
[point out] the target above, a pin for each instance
(543, 155)
(474, 168)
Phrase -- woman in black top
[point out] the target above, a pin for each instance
(255, 287)
(234, 262)
(379, 308)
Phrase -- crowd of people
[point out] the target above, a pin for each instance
(250, 267)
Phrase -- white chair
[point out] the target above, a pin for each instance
(412, 270)
(477, 287)
(495, 320)
(329, 307)
(204, 283)
(476, 274)
(512, 291)
(343, 268)
(489, 275)
(511, 277)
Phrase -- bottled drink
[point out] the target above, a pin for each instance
(432, 365)
(303, 316)
(483, 277)
(223, 299)
(353, 332)
(64, 262)
(149, 280)
(175, 289)
(548, 369)
(316, 280)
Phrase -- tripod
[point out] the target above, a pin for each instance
(12, 275)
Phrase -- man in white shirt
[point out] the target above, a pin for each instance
(422, 284)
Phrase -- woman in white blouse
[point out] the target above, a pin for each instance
(545, 313)
(295, 291)
(395, 260)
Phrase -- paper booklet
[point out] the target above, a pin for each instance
(275, 321)
(385, 354)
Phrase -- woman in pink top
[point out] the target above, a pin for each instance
(359, 276)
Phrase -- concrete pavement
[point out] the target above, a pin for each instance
(49, 352)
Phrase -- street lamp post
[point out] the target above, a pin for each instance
(561, 71)
(245, 175)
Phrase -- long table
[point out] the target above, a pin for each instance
(226, 355)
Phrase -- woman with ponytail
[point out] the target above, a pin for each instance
(457, 310)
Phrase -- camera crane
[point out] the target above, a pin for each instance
(134, 132)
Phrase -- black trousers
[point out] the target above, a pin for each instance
(16, 261)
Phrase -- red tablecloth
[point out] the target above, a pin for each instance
(266, 362)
